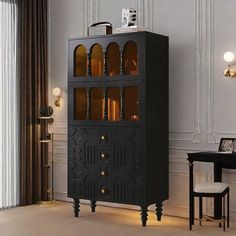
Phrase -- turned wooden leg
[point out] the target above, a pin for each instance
(144, 215)
(76, 207)
(200, 210)
(159, 211)
(93, 205)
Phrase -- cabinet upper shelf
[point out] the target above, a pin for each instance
(113, 60)
(115, 57)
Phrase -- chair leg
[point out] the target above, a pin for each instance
(200, 210)
(223, 213)
(218, 208)
(191, 212)
(228, 209)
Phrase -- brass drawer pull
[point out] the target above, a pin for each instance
(103, 138)
(104, 155)
(104, 190)
(103, 173)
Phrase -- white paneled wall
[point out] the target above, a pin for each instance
(202, 100)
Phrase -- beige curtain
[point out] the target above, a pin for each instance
(9, 106)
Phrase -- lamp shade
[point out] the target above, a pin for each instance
(56, 91)
(229, 56)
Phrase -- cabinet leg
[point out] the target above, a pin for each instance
(159, 211)
(144, 215)
(93, 205)
(76, 207)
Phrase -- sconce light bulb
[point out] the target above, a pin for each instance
(229, 56)
(56, 91)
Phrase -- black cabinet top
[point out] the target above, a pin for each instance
(117, 35)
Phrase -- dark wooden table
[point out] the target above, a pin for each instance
(220, 160)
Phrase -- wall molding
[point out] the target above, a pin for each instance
(204, 64)
(197, 29)
(85, 17)
(91, 13)
(145, 13)
(195, 135)
(210, 46)
(203, 135)
(172, 210)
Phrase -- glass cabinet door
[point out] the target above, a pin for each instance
(96, 60)
(80, 61)
(130, 59)
(113, 59)
(113, 104)
(97, 103)
(131, 103)
(80, 103)
(110, 62)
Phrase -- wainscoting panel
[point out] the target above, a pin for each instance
(223, 89)
(201, 99)
(184, 81)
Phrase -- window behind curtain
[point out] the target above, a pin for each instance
(9, 114)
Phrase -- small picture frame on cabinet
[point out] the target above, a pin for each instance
(227, 145)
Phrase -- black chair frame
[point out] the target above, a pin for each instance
(221, 196)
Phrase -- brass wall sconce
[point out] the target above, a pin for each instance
(57, 92)
(229, 57)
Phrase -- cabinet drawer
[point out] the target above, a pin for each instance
(107, 163)
(119, 151)
(90, 188)
(119, 147)
(117, 190)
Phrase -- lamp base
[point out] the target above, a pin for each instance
(229, 73)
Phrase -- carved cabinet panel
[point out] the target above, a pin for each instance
(105, 158)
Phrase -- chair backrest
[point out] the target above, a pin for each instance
(227, 145)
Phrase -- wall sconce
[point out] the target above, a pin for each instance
(229, 57)
(57, 92)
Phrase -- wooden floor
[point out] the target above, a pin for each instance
(42, 221)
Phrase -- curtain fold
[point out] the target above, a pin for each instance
(33, 94)
(9, 106)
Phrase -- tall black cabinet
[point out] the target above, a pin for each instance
(118, 120)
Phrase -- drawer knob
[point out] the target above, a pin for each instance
(104, 155)
(104, 190)
(103, 137)
(103, 173)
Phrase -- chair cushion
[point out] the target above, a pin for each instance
(216, 187)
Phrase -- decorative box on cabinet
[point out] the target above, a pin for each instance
(118, 120)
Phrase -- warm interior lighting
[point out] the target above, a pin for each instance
(57, 92)
(229, 57)
(113, 110)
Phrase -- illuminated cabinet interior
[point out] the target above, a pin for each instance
(118, 120)
(80, 61)
(113, 59)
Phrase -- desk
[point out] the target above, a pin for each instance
(220, 160)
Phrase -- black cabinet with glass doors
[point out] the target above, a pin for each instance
(118, 120)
